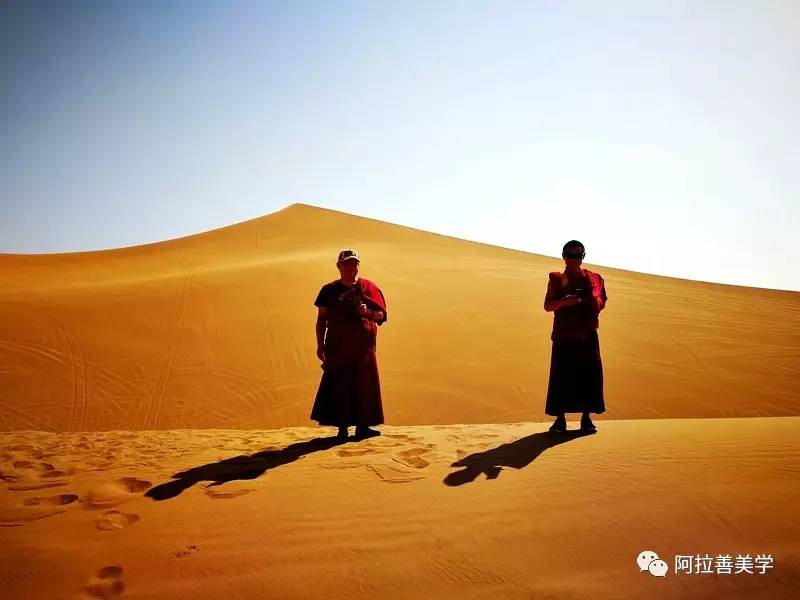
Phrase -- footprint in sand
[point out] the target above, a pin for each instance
(108, 495)
(9, 477)
(412, 457)
(227, 495)
(53, 474)
(106, 583)
(394, 475)
(59, 500)
(356, 452)
(133, 485)
(183, 553)
(113, 519)
(44, 469)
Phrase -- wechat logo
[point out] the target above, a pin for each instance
(649, 561)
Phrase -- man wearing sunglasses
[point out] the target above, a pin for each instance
(576, 298)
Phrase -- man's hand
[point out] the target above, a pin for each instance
(362, 309)
(570, 300)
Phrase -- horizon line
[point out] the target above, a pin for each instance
(354, 215)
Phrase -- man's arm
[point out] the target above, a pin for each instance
(322, 325)
(369, 313)
(550, 302)
(553, 305)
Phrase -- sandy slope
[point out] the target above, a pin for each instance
(216, 330)
(141, 389)
(273, 514)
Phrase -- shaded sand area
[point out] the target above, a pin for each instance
(217, 330)
(459, 511)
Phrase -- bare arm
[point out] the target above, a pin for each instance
(552, 304)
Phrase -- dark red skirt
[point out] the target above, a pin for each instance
(350, 391)
(576, 377)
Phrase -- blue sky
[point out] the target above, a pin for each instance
(663, 135)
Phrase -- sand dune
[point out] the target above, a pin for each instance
(155, 401)
(216, 331)
(467, 511)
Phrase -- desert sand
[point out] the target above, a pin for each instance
(155, 441)
(289, 513)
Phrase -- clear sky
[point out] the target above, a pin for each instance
(664, 135)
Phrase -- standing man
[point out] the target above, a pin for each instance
(350, 310)
(576, 296)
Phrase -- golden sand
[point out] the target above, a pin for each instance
(155, 400)
(217, 330)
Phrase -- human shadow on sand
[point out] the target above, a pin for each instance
(240, 467)
(517, 454)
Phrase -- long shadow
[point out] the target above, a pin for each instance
(240, 467)
(517, 454)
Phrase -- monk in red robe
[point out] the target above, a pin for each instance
(576, 296)
(350, 310)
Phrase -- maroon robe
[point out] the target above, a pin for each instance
(576, 371)
(349, 392)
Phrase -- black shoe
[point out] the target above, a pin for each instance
(365, 432)
(559, 425)
(343, 434)
(587, 425)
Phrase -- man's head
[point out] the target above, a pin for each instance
(347, 263)
(573, 253)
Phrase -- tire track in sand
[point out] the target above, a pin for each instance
(31, 349)
(75, 359)
(155, 402)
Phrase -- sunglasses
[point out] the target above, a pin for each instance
(574, 254)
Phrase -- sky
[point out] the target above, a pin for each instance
(663, 135)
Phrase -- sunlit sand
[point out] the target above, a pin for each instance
(154, 404)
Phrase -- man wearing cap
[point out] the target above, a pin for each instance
(350, 310)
